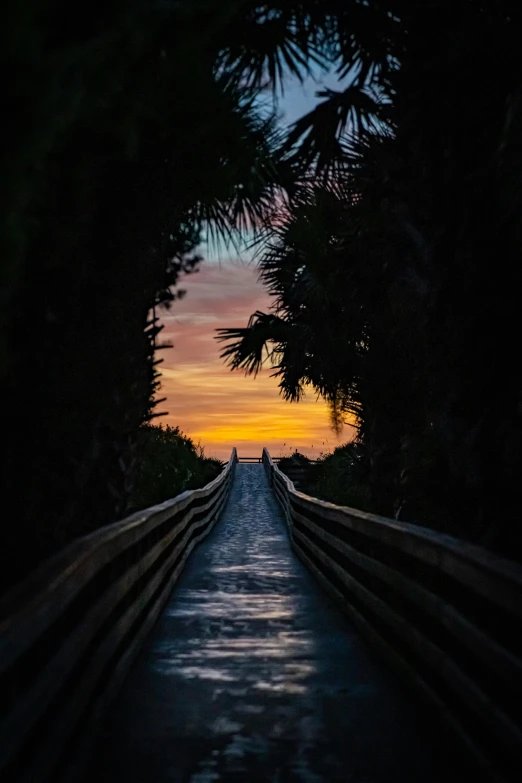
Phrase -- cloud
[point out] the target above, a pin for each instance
(213, 405)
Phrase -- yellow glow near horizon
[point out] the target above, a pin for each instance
(219, 408)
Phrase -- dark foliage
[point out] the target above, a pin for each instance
(395, 265)
(341, 477)
(125, 138)
(168, 463)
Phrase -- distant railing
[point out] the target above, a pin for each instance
(71, 631)
(445, 613)
(259, 459)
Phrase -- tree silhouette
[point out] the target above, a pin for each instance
(421, 152)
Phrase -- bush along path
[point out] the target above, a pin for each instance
(168, 463)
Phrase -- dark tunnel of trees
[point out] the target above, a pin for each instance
(388, 225)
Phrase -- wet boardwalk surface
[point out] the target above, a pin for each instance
(252, 675)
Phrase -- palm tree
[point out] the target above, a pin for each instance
(436, 126)
(341, 322)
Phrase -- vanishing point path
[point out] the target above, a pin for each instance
(252, 674)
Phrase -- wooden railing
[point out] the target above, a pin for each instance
(71, 631)
(445, 613)
(259, 459)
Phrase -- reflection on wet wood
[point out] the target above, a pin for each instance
(71, 631)
(445, 613)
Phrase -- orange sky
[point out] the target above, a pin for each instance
(220, 408)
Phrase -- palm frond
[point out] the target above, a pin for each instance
(330, 133)
(249, 169)
(248, 346)
(270, 44)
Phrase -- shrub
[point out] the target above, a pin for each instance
(168, 463)
(341, 477)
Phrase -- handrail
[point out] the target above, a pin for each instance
(447, 614)
(71, 630)
(276, 459)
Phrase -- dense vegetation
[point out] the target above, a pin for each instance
(127, 135)
(168, 463)
(395, 263)
(393, 253)
(340, 477)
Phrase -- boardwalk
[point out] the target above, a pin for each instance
(252, 675)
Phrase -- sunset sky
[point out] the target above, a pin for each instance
(211, 404)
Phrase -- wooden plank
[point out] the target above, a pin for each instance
(407, 673)
(44, 760)
(435, 548)
(55, 567)
(58, 582)
(32, 705)
(496, 721)
(468, 563)
(497, 658)
(491, 577)
(76, 768)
